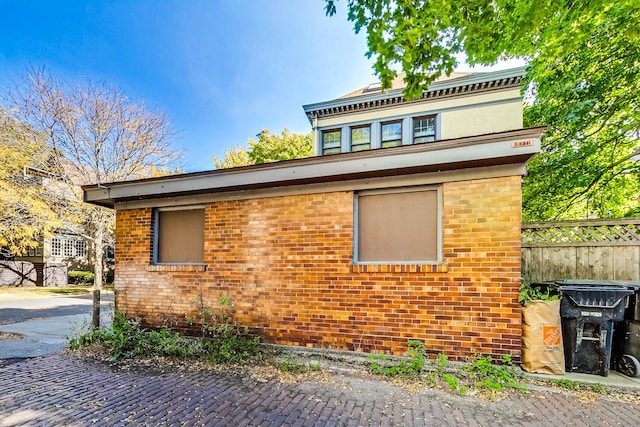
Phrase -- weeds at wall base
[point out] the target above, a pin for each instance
(127, 339)
(478, 374)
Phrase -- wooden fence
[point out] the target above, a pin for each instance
(591, 249)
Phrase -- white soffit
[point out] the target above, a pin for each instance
(508, 144)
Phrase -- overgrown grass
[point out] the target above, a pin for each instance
(380, 365)
(298, 368)
(478, 374)
(484, 374)
(566, 384)
(127, 339)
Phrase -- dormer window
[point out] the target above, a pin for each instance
(424, 129)
(331, 141)
(360, 138)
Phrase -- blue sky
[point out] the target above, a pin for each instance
(223, 70)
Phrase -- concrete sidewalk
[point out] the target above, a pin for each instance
(41, 326)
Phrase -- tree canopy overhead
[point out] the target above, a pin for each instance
(582, 76)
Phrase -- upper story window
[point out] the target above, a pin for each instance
(81, 248)
(69, 246)
(360, 138)
(179, 235)
(391, 134)
(56, 246)
(34, 252)
(424, 129)
(331, 140)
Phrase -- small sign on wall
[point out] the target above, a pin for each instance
(521, 144)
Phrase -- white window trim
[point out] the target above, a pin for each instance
(375, 132)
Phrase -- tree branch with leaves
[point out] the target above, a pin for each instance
(96, 134)
(582, 77)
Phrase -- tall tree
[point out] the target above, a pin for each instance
(97, 134)
(588, 99)
(28, 210)
(582, 79)
(267, 148)
(233, 157)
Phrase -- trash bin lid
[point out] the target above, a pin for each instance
(589, 282)
(605, 297)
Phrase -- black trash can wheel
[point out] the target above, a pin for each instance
(628, 365)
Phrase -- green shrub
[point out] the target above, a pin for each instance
(80, 277)
(229, 344)
(127, 339)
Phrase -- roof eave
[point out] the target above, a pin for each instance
(373, 99)
(477, 151)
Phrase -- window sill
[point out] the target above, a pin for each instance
(177, 267)
(399, 268)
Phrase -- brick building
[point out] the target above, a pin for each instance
(356, 248)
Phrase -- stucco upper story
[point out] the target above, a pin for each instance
(460, 105)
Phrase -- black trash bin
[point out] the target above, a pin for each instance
(588, 315)
(626, 337)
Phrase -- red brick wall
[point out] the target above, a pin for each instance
(286, 263)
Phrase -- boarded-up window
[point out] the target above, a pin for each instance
(180, 236)
(398, 226)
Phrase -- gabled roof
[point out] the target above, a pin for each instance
(503, 148)
(453, 85)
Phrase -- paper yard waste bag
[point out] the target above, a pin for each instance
(542, 349)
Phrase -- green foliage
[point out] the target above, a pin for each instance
(298, 368)
(233, 158)
(380, 365)
(582, 81)
(267, 148)
(566, 384)
(451, 381)
(126, 339)
(587, 96)
(222, 339)
(28, 210)
(484, 374)
(598, 388)
(80, 277)
(229, 344)
(529, 292)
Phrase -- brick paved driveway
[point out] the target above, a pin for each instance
(62, 390)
